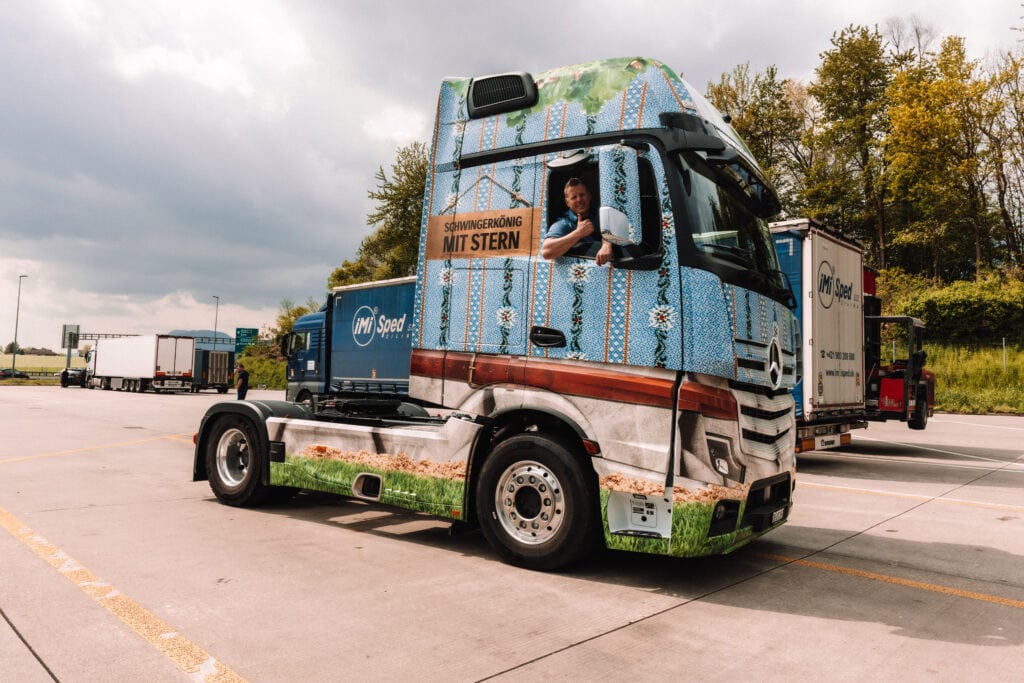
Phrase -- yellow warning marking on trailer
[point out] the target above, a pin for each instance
(885, 578)
(75, 451)
(188, 656)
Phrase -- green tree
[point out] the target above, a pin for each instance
(850, 90)
(1006, 139)
(939, 158)
(763, 116)
(391, 249)
(287, 314)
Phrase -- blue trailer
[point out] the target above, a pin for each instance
(360, 341)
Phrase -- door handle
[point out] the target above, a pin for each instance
(547, 337)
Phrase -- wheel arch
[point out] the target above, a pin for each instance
(256, 412)
(513, 422)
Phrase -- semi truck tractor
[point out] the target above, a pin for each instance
(359, 341)
(159, 362)
(634, 391)
(826, 271)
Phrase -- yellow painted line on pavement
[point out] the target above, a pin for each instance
(885, 578)
(75, 451)
(188, 656)
(913, 496)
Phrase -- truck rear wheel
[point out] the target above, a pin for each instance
(534, 505)
(233, 463)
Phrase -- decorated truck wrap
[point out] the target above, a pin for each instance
(643, 402)
(826, 270)
(359, 341)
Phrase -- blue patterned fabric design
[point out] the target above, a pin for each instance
(645, 318)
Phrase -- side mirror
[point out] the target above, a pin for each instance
(615, 226)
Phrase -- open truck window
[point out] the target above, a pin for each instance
(624, 201)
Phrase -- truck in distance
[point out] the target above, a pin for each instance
(359, 341)
(826, 270)
(213, 369)
(554, 403)
(160, 362)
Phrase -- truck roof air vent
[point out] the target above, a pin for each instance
(490, 95)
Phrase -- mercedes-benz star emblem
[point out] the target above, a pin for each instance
(774, 364)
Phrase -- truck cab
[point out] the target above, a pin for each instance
(305, 350)
(643, 403)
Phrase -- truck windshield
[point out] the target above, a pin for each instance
(724, 231)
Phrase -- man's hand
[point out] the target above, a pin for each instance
(604, 254)
(584, 226)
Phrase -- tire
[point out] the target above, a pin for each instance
(304, 397)
(919, 420)
(534, 504)
(233, 463)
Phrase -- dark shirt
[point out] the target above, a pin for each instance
(243, 380)
(567, 222)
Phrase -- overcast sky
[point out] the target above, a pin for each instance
(155, 154)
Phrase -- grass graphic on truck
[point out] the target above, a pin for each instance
(438, 488)
(419, 485)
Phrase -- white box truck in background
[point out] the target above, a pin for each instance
(826, 270)
(159, 362)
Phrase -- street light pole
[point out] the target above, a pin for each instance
(216, 312)
(17, 313)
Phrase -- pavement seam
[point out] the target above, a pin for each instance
(87, 449)
(28, 646)
(184, 653)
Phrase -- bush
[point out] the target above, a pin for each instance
(266, 371)
(989, 308)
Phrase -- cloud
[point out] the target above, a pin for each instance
(153, 154)
(401, 125)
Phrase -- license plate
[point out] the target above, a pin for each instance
(778, 515)
(822, 443)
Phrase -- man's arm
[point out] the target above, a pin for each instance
(553, 247)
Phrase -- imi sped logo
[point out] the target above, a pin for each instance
(830, 287)
(368, 324)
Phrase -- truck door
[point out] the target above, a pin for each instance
(304, 349)
(166, 349)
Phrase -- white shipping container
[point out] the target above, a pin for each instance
(144, 357)
(126, 356)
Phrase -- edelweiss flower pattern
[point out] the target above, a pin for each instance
(662, 318)
(506, 316)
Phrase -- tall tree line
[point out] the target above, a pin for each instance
(902, 141)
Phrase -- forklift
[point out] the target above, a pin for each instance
(901, 389)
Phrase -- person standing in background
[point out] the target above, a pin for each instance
(241, 381)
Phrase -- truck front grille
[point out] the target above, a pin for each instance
(766, 423)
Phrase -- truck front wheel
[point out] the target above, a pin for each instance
(534, 505)
(233, 463)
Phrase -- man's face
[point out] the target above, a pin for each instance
(577, 198)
